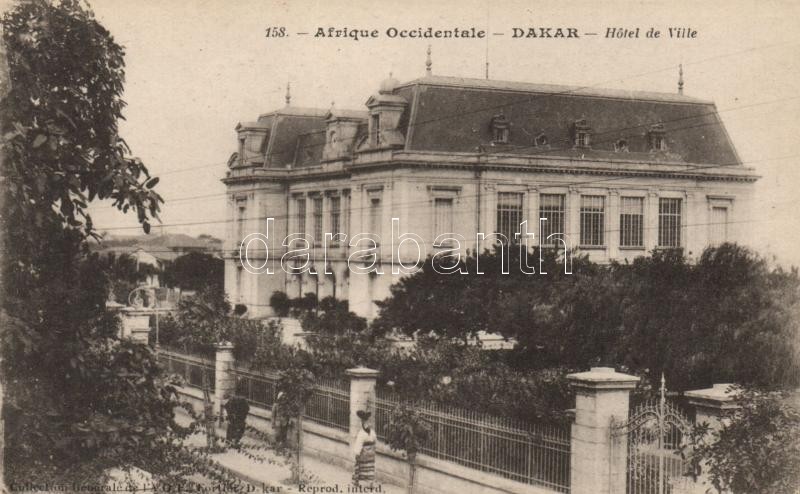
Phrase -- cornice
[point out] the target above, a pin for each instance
(472, 162)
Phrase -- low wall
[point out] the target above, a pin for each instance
(433, 476)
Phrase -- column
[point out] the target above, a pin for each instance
(574, 217)
(612, 223)
(651, 220)
(532, 215)
(692, 227)
(362, 396)
(224, 380)
(601, 394)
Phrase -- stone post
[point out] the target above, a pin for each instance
(712, 403)
(710, 406)
(136, 324)
(601, 394)
(224, 379)
(362, 396)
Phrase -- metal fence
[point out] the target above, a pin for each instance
(525, 452)
(330, 404)
(531, 453)
(190, 367)
(259, 388)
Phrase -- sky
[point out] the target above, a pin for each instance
(197, 68)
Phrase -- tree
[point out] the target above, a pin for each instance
(195, 271)
(280, 303)
(756, 450)
(408, 431)
(461, 305)
(295, 387)
(332, 316)
(203, 320)
(122, 273)
(78, 400)
(728, 317)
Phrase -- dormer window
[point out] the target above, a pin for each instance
(375, 121)
(621, 146)
(657, 137)
(500, 127)
(332, 137)
(582, 134)
(541, 141)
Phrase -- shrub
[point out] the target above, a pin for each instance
(280, 303)
(758, 450)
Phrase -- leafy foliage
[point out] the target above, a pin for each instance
(461, 305)
(78, 401)
(442, 371)
(729, 317)
(408, 430)
(60, 128)
(332, 316)
(280, 303)
(195, 271)
(204, 320)
(297, 386)
(122, 273)
(756, 450)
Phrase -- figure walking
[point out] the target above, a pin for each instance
(364, 451)
(280, 422)
(236, 409)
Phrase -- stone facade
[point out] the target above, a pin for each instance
(620, 173)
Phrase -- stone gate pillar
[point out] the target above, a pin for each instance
(712, 404)
(362, 396)
(601, 393)
(224, 379)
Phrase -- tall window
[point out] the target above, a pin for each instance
(241, 218)
(336, 216)
(375, 215)
(346, 214)
(552, 209)
(669, 222)
(509, 214)
(376, 129)
(316, 204)
(592, 220)
(631, 222)
(301, 215)
(719, 225)
(443, 216)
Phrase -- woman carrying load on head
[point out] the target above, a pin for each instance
(364, 451)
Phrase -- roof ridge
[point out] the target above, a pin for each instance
(523, 86)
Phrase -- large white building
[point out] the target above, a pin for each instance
(619, 172)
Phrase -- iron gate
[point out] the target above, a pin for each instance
(647, 448)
